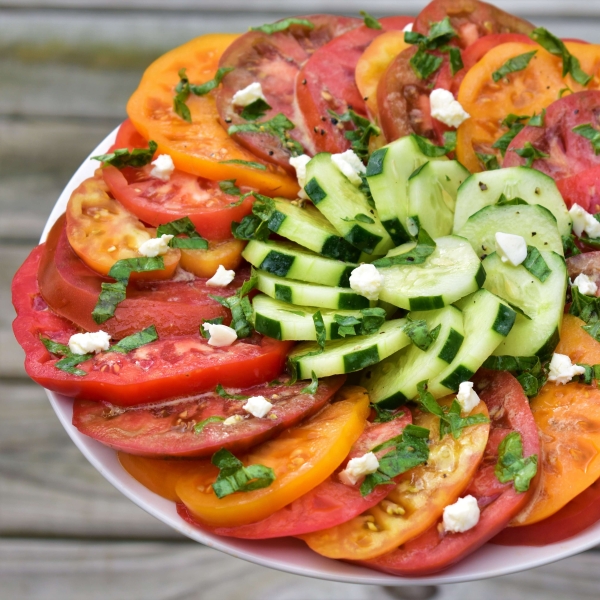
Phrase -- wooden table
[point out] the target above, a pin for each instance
(66, 70)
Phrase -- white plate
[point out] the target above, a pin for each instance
(292, 555)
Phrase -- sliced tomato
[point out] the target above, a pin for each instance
(167, 430)
(327, 83)
(301, 457)
(129, 137)
(582, 189)
(175, 307)
(201, 147)
(568, 152)
(167, 368)
(204, 263)
(587, 263)
(435, 550)
(421, 493)
(274, 60)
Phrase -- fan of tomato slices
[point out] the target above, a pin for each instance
(160, 392)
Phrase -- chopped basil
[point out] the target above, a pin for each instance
(360, 136)
(244, 163)
(123, 268)
(320, 329)
(346, 325)
(419, 335)
(587, 308)
(504, 201)
(370, 22)
(184, 87)
(312, 387)
(384, 415)
(298, 313)
(234, 477)
(221, 391)
(456, 63)
(228, 187)
(410, 449)
(250, 227)
(372, 320)
(433, 151)
(135, 340)
(440, 34)
(527, 369)
(563, 91)
(512, 466)
(569, 246)
(503, 142)
(111, 294)
(589, 133)
(203, 332)
(123, 157)
(530, 384)
(361, 218)
(417, 255)
(183, 226)
(489, 161)
(512, 65)
(255, 110)
(271, 28)
(536, 265)
(531, 153)
(538, 120)
(557, 47)
(425, 64)
(240, 307)
(198, 427)
(588, 375)
(70, 361)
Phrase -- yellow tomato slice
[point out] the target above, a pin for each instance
(101, 231)
(417, 501)
(204, 263)
(524, 92)
(302, 457)
(568, 418)
(199, 147)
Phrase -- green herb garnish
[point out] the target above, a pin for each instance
(531, 153)
(183, 226)
(589, 133)
(255, 110)
(536, 265)
(415, 256)
(419, 335)
(360, 136)
(184, 88)
(221, 391)
(271, 28)
(518, 63)
(204, 332)
(234, 477)
(135, 340)
(198, 427)
(511, 465)
(123, 157)
(370, 22)
(244, 163)
(431, 150)
(312, 387)
(240, 307)
(70, 361)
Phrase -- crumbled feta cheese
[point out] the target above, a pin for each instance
(511, 248)
(86, 343)
(220, 335)
(221, 278)
(366, 280)
(584, 221)
(462, 515)
(408, 27)
(562, 370)
(233, 420)
(467, 397)
(155, 246)
(350, 165)
(585, 285)
(163, 167)
(258, 406)
(446, 109)
(299, 163)
(251, 93)
(359, 467)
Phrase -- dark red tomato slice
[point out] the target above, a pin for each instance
(569, 153)
(582, 188)
(499, 503)
(579, 514)
(128, 137)
(327, 82)
(167, 430)
(167, 368)
(71, 288)
(155, 201)
(274, 61)
(587, 263)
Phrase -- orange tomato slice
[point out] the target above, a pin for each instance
(202, 146)
(204, 263)
(302, 457)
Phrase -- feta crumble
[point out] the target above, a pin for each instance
(366, 280)
(233, 420)
(359, 467)
(163, 167)
(155, 246)
(350, 165)
(511, 248)
(467, 397)
(462, 515)
(562, 370)
(220, 335)
(86, 343)
(251, 93)
(299, 163)
(585, 285)
(584, 221)
(408, 27)
(258, 406)
(221, 278)
(446, 109)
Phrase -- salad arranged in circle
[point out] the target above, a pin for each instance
(337, 279)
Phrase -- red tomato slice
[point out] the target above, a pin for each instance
(274, 60)
(174, 307)
(327, 82)
(499, 503)
(579, 514)
(129, 137)
(582, 188)
(167, 430)
(156, 201)
(167, 368)
(587, 263)
(569, 153)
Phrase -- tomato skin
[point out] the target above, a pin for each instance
(160, 431)
(582, 188)
(129, 137)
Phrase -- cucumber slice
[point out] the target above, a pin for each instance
(286, 259)
(452, 271)
(487, 320)
(345, 206)
(309, 228)
(532, 221)
(350, 354)
(543, 303)
(483, 189)
(281, 321)
(310, 294)
(432, 191)
(394, 381)
(387, 173)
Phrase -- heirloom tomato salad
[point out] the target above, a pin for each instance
(337, 279)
